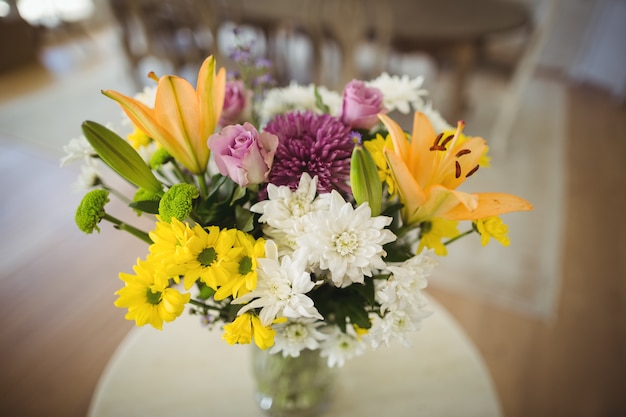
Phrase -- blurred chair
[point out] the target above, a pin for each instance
(180, 32)
(346, 23)
(453, 30)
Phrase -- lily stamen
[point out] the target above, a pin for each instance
(463, 152)
(436, 146)
(457, 172)
(446, 141)
(469, 174)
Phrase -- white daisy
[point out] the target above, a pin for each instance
(395, 326)
(340, 347)
(281, 288)
(89, 175)
(403, 288)
(347, 242)
(77, 149)
(400, 93)
(297, 97)
(295, 335)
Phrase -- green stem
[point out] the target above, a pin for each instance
(179, 172)
(459, 236)
(116, 193)
(128, 228)
(204, 190)
(203, 305)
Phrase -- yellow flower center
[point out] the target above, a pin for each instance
(245, 265)
(207, 256)
(153, 296)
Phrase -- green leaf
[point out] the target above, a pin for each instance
(120, 156)
(319, 103)
(147, 206)
(244, 219)
(206, 292)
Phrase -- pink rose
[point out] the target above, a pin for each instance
(243, 154)
(361, 104)
(236, 103)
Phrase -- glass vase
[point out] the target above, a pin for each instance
(292, 387)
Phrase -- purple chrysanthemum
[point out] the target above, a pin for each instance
(318, 144)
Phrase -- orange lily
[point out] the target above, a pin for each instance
(183, 118)
(428, 169)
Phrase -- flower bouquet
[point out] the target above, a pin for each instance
(297, 218)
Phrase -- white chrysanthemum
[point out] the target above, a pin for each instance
(401, 300)
(400, 93)
(340, 347)
(404, 287)
(89, 175)
(297, 97)
(77, 149)
(281, 288)
(395, 326)
(293, 336)
(285, 212)
(347, 242)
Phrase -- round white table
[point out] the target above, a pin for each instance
(186, 370)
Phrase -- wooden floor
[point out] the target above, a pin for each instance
(59, 327)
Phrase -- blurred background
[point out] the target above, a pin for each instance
(544, 81)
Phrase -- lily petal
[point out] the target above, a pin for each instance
(489, 204)
(440, 201)
(398, 137)
(211, 89)
(176, 109)
(410, 191)
(145, 119)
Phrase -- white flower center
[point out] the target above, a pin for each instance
(296, 332)
(299, 205)
(345, 243)
(279, 291)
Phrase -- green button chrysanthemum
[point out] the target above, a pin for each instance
(91, 210)
(177, 202)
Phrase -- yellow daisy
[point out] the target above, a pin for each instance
(247, 326)
(212, 257)
(147, 296)
(171, 240)
(492, 227)
(138, 138)
(434, 231)
(245, 279)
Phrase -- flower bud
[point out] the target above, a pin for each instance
(364, 179)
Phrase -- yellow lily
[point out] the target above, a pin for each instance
(183, 118)
(428, 169)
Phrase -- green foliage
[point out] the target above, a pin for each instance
(346, 305)
(364, 180)
(120, 156)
